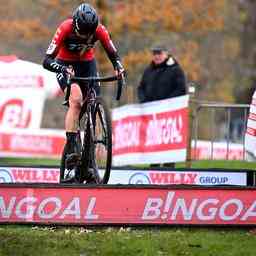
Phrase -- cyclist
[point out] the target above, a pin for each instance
(71, 52)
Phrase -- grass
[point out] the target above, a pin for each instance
(20, 240)
(195, 164)
(29, 161)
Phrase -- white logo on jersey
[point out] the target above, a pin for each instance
(76, 23)
(112, 45)
(51, 48)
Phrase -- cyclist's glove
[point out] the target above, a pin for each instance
(119, 68)
(67, 72)
(64, 70)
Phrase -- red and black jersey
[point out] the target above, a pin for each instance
(67, 45)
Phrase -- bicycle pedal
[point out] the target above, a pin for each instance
(93, 176)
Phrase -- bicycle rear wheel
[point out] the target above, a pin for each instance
(103, 139)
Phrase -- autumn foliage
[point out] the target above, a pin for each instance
(185, 26)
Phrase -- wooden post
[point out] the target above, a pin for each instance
(190, 126)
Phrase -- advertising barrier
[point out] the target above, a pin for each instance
(126, 176)
(30, 143)
(188, 177)
(153, 132)
(48, 143)
(29, 175)
(127, 205)
(217, 150)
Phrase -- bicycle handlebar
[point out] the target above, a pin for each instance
(120, 84)
(93, 79)
(120, 81)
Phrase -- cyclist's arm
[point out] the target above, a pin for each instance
(51, 64)
(49, 61)
(103, 36)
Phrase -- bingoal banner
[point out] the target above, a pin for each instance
(127, 205)
(153, 132)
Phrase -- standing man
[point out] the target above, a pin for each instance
(71, 52)
(162, 79)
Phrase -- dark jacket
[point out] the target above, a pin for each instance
(162, 81)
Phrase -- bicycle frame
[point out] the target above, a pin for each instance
(97, 129)
(90, 104)
(87, 110)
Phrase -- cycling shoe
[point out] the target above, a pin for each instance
(69, 176)
(72, 160)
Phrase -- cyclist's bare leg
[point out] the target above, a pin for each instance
(71, 124)
(75, 103)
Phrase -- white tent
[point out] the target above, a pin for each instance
(17, 73)
(24, 86)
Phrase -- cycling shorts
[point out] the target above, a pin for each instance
(81, 69)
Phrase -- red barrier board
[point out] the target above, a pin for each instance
(153, 132)
(172, 129)
(30, 143)
(127, 205)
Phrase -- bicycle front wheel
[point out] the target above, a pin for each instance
(102, 139)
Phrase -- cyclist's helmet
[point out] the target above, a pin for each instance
(85, 19)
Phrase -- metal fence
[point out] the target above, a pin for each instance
(217, 122)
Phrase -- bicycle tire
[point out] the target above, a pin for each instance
(85, 149)
(62, 163)
(103, 138)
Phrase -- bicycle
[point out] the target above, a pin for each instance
(95, 146)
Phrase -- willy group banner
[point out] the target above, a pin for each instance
(154, 132)
(12, 174)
